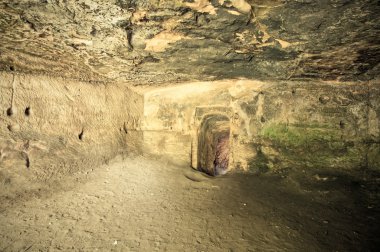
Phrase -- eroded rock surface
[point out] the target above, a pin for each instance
(50, 127)
(122, 207)
(274, 125)
(145, 41)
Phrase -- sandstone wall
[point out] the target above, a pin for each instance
(274, 125)
(321, 125)
(169, 123)
(55, 126)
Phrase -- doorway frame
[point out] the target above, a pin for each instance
(204, 113)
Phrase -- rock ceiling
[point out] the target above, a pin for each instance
(145, 41)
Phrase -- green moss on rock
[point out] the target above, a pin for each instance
(373, 156)
(313, 146)
(299, 136)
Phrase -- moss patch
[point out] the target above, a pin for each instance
(313, 146)
(299, 136)
(374, 156)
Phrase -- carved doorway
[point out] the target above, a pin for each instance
(214, 144)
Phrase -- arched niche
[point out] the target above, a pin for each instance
(214, 144)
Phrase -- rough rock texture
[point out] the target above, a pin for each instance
(50, 127)
(323, 125)
(295, 82)
(222, 154)
(122, 207)
(148, 40)
(274, 125)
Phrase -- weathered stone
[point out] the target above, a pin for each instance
(271, 126)
(324, 99)
(72, 123)
(270, 39)
(13, 127)
(374, 156)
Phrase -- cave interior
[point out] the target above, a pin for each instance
(189, 125)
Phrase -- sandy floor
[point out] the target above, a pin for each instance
(140, 204)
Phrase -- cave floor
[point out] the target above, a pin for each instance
(140, 204)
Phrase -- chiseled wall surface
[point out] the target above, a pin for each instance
(169, 123)
(320, 125)
(274, 125)
(45, 144)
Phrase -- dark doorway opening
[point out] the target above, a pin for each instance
(214, 145)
